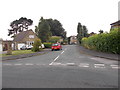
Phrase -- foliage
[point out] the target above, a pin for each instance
(65, 42)
(47, 44)
(82, 32)
(36, 45)
(56, 28)
(43, 30)
(51, 27)
(101, 31)
(54, 39)
(105, 42)
(19, 26)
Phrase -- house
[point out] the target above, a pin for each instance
(73, 40)
(0, 45)
(115, 24)
(6, 44)
(24, 38)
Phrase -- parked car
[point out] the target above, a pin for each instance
(56, 46)
(29, 47)
(42, 46)
(26, 47)
(23, 48)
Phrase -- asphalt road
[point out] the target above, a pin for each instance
(67, 68)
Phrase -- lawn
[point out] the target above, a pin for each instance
(18, 52)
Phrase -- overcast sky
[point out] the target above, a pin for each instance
(95, 14)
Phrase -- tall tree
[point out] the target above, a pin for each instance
(43, 30)
(19, 25)
(82, 32)
(56, 28)
(85, 31)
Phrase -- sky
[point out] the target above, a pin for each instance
(94, 14)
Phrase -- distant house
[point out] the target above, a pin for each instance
(73, 40)
(24, 38)
(115, 24)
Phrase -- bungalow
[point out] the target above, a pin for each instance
(115, 24)
(24, 38)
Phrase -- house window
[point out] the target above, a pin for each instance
(31, 36)
(30, 43)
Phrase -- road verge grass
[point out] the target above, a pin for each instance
(18, 52)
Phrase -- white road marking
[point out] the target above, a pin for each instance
(115, 66)
(70, 64)
(56, 63)
(84, 65)
(7, 64)
(28, 64)
(62, 52)
(17, 64)
(99, 65)
(54, 60)
(40, 64)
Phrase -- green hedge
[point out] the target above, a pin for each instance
(105, 42)
(47, 44)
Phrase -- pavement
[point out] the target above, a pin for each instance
(99, 54)
(81, 49)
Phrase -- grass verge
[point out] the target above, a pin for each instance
(18, 52)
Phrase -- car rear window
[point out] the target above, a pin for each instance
(55, 44)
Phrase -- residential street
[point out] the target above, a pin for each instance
(67, 68)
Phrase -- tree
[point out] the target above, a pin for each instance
(85, 31)
(19, 26)
(82, 32)
(49, 27)
(101, 31)
(56, 28)
(43, 31)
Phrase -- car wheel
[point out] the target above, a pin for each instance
(52, 50)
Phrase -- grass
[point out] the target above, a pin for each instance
(18, 52)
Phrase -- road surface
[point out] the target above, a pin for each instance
(67, 68)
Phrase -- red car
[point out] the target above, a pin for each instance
(56, 46)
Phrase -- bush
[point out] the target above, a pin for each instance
(36, 45)
(47, 44)
(105, 42)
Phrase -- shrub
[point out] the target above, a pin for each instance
(105, 42)
(36, 45)
(47, 44)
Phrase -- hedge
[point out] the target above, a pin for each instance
(47, 44)
(105, 42)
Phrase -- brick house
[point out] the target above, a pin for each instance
(24, 38)
(115, 24)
